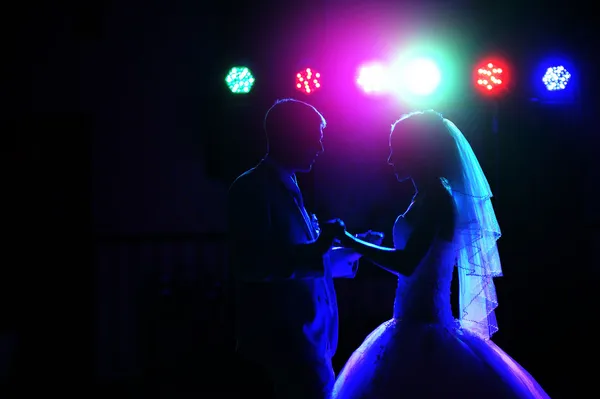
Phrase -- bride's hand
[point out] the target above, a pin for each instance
(372, 237)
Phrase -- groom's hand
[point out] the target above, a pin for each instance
(333, 229)
(330, 231)
(372, 237)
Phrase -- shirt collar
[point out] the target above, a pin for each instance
(283, 173)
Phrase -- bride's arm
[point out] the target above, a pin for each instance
(394, 260)
(426, 219)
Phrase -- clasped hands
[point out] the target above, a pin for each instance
(334, 231)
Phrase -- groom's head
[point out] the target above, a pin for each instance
(294, 134)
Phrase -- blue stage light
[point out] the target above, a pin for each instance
(556, 78)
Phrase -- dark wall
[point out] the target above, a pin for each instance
(152, 91)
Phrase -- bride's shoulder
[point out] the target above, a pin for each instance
(436, 206)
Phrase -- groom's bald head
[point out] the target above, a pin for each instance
(294, 132)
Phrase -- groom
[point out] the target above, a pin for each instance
(283, 261)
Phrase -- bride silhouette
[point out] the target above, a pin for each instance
(422, 352)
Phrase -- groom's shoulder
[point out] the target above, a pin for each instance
(251, 179)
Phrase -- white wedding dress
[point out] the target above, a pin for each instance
(422, 352)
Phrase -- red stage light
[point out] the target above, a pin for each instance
(308, 80)
(491, 77)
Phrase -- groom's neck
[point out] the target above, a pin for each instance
(280, 164)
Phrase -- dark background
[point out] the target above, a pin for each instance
(116, 122)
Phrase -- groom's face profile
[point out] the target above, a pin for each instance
(308, 145)
(296, 135)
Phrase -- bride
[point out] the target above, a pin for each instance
(422, 352)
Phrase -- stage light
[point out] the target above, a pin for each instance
(491, 77)
(423, 75)
(308, 80)
(239, 80)
(420, 76)
(556, 78)
(372, 78)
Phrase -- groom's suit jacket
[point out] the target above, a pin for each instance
(286, 305)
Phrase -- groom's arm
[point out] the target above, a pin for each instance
(259, 252)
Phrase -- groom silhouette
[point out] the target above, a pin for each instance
(283, 261)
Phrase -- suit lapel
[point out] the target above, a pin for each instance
(292, 190)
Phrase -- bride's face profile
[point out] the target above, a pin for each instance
(403, 157)
(418, 147)
(402, 174)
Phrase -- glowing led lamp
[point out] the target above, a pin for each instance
(372, 78)
(490, 77)
(421, 77)
(556, 78)
(239, 80)
(308, 81)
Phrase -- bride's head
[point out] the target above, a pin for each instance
(422, 148)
